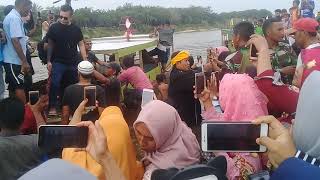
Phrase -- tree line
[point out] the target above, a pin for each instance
(146, 16)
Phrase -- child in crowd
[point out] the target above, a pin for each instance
(161, 87)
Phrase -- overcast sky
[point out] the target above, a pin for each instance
(217, 5)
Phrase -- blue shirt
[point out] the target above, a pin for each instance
(1, 54)
(296, 169)
(13, 28)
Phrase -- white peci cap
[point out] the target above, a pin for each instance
(85, 68)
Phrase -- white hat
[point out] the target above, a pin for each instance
(85, 68)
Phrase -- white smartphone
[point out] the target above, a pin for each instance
(232, 137)
(147, 96)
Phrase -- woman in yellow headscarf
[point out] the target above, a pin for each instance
(119, 144)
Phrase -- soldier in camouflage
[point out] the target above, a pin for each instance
(283, 58)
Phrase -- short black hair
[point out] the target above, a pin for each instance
(278, 11)
(191, 60)
(116, 67)
(66, 8)
(245, 29)
(22, 2)
(284, 11)
(128, 61)
(8, 9)
(161, 78)
(86, 76)
(268, 23)
(11, 113)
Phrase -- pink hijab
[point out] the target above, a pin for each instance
(241, 100)
(176, 145)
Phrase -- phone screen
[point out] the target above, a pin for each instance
(33, 97)
(233, 137)
(53, 137)
(90, 94)
(253, 52)
(147, 96)
(200, 82)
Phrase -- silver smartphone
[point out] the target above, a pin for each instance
(90, 93)
(147, 96)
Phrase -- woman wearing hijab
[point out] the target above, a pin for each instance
(306, 132)
(119, 144)
(166, 140)
(241, 100)
(180, 90)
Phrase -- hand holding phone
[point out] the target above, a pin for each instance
(62, 136)
(232, 137)
(253, 52)
(33, 97)
(90, 94)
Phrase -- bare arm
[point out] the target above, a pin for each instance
(101, 78)
(82, 50)
(50, 50)
(264, 62)
(66, 115)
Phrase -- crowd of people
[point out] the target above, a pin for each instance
(278, 87)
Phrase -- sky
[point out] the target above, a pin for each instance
(217, 5)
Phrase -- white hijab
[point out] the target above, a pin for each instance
(306, 129)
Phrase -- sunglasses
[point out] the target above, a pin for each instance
(64, 18)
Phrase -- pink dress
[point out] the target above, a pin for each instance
(241, 100)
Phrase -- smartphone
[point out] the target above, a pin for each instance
(232, 137)
(33, 97)
(62, 136)
(253, 52)
(90, 93)
(200, 82)
(147, 96)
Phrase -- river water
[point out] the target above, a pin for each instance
(195, 42)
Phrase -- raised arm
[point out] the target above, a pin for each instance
(264, 62)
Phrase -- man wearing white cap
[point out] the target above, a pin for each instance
(74, 95)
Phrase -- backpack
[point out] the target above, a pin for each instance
(42, 53)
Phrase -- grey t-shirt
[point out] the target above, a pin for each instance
(166, 37)
(18, 155)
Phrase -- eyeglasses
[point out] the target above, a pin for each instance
(89, 44)
(64, 18)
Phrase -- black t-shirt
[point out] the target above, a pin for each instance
(73, 96)
(66, 39)
(182, 98)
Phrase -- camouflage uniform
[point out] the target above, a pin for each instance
(283, 56)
